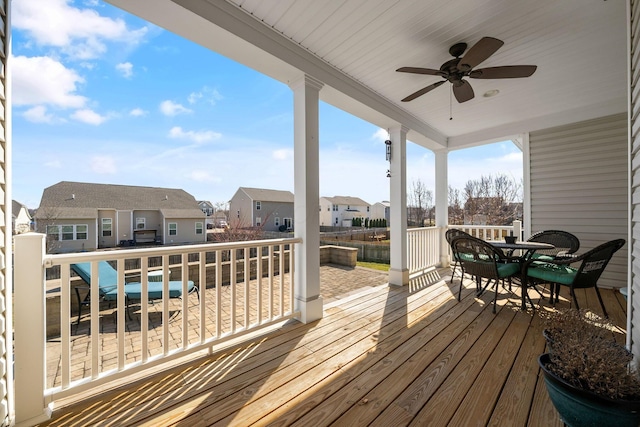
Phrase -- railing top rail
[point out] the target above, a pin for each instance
(483, 227)
(409, 230)
(54, 259)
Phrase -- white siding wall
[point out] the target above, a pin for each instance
(579, 177)
(6, 360)
(634, 311)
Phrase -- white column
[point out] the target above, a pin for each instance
(30, 329)
(399, 271)
(526, 178)
(307, 197)
(442, 202)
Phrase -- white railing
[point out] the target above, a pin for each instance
(424, 245)
(492, 232)
(243, 286)
(423, 248)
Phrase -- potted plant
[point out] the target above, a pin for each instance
(589, 376)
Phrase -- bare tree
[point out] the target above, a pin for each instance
(420, 203)
(494, 200)
(456, 213)
(47, 217)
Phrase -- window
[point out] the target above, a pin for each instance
(199, 228)
(140, 223)
(173, 229)
(367, 208)
(106, 227)
(287, 222)
(81, 232)
(335, 208)
(258, 206)
(276, 221)
(258, 221)
(53, 230)
(67, 232)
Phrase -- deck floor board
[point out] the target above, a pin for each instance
(389, 356)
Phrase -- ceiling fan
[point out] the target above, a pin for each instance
(457, 68)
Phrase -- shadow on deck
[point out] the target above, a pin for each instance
(385, 356)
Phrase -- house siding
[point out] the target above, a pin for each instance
(186, 231)
(579, 184)
(124, 226)
(271, 210)
(634, 135)
(109, 241)
(6, 285)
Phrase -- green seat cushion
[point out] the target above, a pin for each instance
(107, 274)
(542, 257)
(509, 269)
(553, 273)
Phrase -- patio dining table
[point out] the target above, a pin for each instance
(526, 251)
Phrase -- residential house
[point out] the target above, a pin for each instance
(380, 210)
(272, 210)
(20, 218)
(339, 211)
(206, 207)
(78, 216)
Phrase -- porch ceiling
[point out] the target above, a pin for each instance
(355, 46)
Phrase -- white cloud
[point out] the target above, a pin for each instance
(79, 33)
(105, 165)
(89, 117)
(58, 88)
(170, 108)
(198, 137)
(54, 164)
(126, 69)
(282, 154)
(137, 112)
(212, 96)
(380, 135)
(194, 97)
(38, 114)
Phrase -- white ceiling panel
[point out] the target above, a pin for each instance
(579, 47)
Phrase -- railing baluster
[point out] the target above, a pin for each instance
(185, 300)
(202, 288)
(144, 307)
(291, 276)
(259, 283)
(270, 281)
(95, 319)
(281, 271)
(218, 294)
(247, 277)
(165, 304)
(122, 309)
(233, 290)
(65, 325)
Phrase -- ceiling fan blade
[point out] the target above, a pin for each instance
(504, 72)
(418, 70)
(463, 92)
(480, 51)
(422, 91)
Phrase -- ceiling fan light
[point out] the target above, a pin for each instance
(490, 93)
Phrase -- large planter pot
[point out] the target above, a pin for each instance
(581, 408)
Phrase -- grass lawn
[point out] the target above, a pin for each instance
(373, 265)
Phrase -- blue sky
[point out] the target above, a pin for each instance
(102, 96)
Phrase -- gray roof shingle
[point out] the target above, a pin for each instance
(265, 195)
(82, 200)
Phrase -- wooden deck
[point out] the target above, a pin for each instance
(386, 357)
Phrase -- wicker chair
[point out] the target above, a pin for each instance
(451, 234)
(564, 242)
(588, 269)
(481, 260)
